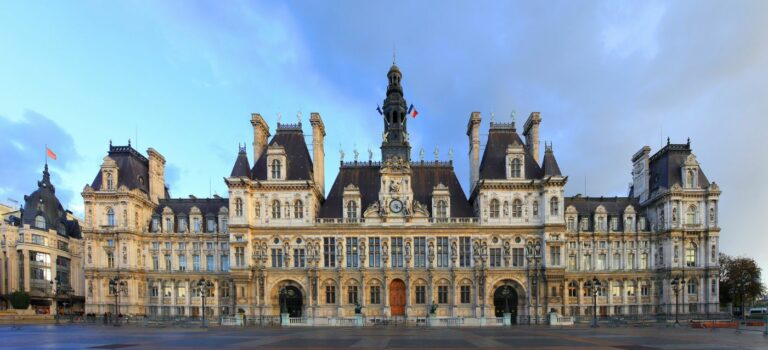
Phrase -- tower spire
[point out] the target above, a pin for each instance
(395, 138)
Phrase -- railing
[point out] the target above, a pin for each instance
(452, 220)
(494, 321)
(332, 221)
(297, 321)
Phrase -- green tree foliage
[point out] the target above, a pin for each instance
(739, 278)
(19, 300)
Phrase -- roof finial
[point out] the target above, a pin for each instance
(298, 116)
(436, 153)
(450, 154)
(421, 154)
(491, 117)
(278, 118)
(689, 142)
(512, 115)
(394, 54)
(356, 153)
(667, 140)
(370, 153)
(341, 154)
(129, 142)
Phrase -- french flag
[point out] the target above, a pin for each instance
(412, 111)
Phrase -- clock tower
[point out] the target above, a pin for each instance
(395, 139)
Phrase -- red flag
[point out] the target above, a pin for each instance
(50, 153)
(414, 113)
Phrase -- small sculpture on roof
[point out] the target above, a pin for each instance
(341, 153)
(370, 154)
(357, 154)
(298, 117)
(450, 154)
(421, 154)
(436, 153)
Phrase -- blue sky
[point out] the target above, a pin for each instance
(184, 76)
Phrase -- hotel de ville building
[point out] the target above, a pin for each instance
(401, 236)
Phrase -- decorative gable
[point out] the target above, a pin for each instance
(515, 161)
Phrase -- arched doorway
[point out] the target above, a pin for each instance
(291, 301)
(505, 301)
(397, 297)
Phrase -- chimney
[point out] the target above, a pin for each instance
(641, 174)
(473, 131)
(531, 133)
(156, 175)
(318, 157)
(260, 135)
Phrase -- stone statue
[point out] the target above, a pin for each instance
(453, 250)
(476, 249)
(356, 153)
(341, 154)
(407, 249)
(362, 248)
(421, 154)
(339, 248)
(436, 153)
(450, 154)
(384, 249)
(384, 136)
(432, 308)
(506, 248)
(530, 249)
(370, 154)
(431, 250)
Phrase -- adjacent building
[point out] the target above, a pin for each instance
(400, 236)
(41, 250)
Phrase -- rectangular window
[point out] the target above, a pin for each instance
(572, 262)
(153, 291)
(601, 262)
(110, 261)
(155, 245)
(330, 294)
(155, 224)
(225, 263)
(465, 252)
(352, 255)
(397, 252)
(442, 252)
(181, 292)
(182, 224)
(615, 291)
(209, 245)
(374, 252)
(195, 246)
(375, 295)
(554, 255)
(518, 257)
(168, 262)
(616, 264)
(584, 224)
(182, 262)
(182, 246)
(442, 294)
(645, 290)
(155, 263)
(209, 263)
(329, 251)
(196, 224)
(352, 295)
(644, 261)
(419, 252)
(495, 257)
(571, 225)
(299, 258)
(603, 245)
(240, 256)
(614, 224)
(168, 225)
(587, 262)
(466, 294)
(421, 292)
(277, 258)
(168, 245)
(196, 262)
(211, 226)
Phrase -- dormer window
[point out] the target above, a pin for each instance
(155, 224)
(351, 209)
(110, 185)
(276, 209)
(515, 168)
(690, 178)
(554, 206)
(168, 225)
(442, 209)
(298, 209)
(40, 222)
(276, 167)
(690, 172)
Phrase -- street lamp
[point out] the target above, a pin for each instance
(56, 289)
(205, 287)
(117, 286)
(593, 286)
(677, 285)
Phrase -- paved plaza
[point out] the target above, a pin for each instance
(628, 338)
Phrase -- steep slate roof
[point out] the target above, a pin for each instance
(299, 162)
(241, 167)
(494, 158)
(131, 165)
(368, 179)
(614, 206)
(184, 205)
(549, 164)
(45, 203)
(665, 167)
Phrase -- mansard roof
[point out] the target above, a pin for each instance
(492, 166)
(299, 165)
(614, 207)
(241, 167)
(131, 166)
(666, 167)
(367, 177)
(44, 202)
(549, 163)
(207, 206)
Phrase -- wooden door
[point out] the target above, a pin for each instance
(397, 297)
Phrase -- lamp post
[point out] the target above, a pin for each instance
(55, 289)
(117, 286)
(205, 287)
(677, 285)
(594, 286)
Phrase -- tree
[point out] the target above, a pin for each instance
(19, 300)
(739, 280)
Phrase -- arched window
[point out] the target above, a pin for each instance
(690, 179)
(110, 217)
(535, 208)
(351, 209)
(442, 209)
(691, 215)
(494, 208)
(517, 208)
(276, 209)
(238, 207)
(275, 169)
(298, 209)
(554, 206)
(40, 222)
(109, 181)
(515, 168)
(690, 255)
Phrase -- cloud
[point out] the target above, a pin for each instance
(23, 156)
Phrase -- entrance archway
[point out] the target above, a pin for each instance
(291, 301)
(397, 297)
(505, 301)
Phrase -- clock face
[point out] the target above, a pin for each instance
(395, 206)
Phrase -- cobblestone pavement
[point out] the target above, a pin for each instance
(129, 337)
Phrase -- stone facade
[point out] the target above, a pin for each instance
(401, 235)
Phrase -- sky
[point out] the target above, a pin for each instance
(183, 77)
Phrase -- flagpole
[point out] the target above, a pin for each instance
(46, 154)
